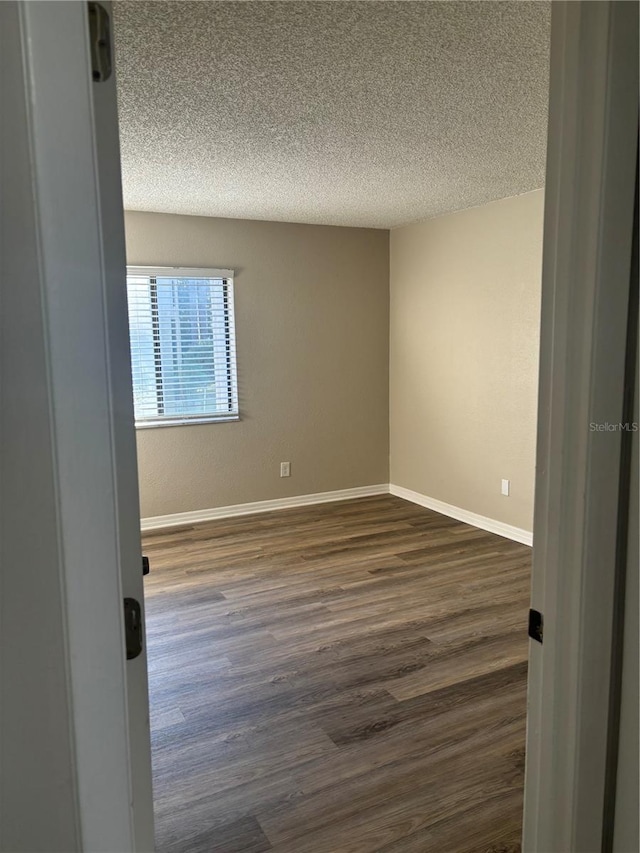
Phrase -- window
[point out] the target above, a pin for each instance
(183, 352)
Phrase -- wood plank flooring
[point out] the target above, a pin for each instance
(342, 678)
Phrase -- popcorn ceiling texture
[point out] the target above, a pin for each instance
(368, 114)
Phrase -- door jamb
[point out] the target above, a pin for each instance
(593, 120)
(72, 395)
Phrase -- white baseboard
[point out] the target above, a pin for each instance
(518, 534)
(179, 519)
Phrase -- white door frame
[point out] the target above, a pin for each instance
(586, 267)
(106, 130)
(66, 766)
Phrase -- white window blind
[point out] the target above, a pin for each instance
(183, 351)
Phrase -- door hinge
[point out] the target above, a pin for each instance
(535, 625)
(132, 627)
(100, 42)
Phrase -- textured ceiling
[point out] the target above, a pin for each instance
(348, 113)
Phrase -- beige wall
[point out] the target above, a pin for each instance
(465, 306)
(312, 326)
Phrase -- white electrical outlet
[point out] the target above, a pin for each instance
(506, 485)
(285, 469)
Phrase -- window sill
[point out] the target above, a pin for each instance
(173, 422)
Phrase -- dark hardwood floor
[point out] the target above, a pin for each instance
(341, 678)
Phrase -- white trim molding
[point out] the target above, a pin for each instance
(179, 519)
(75, 770)
(586, 274)
(518, 534)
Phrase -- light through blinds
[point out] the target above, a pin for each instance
(183, 353)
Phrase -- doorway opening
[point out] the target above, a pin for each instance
(340, 578)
